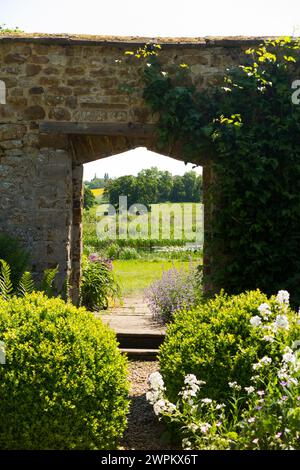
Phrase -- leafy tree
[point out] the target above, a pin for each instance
(178, 191)
(123, 186)
(165, 186)
(89, 199)
(192, 186)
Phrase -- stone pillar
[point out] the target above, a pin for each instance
(76, 230)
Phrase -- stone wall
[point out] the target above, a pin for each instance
(63, 80)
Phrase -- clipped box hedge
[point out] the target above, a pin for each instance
(217, 343)
(64, 384)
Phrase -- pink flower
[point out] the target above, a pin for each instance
(93, 257)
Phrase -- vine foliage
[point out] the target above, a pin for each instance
(252, 128)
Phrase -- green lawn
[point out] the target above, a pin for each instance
(135, 275)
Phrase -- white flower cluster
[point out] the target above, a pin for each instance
(234, 386)
(283, 298)
(265, 310)
(191, 388)
(290, 365)
(156, 395)
(281, 321)
(265, 361)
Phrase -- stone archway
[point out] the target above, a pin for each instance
(66, 105)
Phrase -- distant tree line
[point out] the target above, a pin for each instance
(98, 183)
(152, 186)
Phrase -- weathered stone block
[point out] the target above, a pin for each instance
(35, 59)
(11, 144)
(12, 131)
(53, 141)
(60, 114)
(32, 69)
(36, 90)
(34, 113)
(14, 58)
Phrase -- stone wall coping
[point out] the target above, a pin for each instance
(124, 41)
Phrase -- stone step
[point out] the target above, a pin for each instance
(140, 354)
(132, 324)
(140, 340)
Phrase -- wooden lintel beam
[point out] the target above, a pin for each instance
(98, 128)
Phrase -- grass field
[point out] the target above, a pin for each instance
(155, 255)
(135, 275)
(175, 229)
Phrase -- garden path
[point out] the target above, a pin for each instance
(144, 431)
(132, 316)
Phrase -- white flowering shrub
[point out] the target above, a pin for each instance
(262, 414)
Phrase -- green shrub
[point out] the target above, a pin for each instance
(15, 255)
(112, 251)
(98, 283)
(249, 398)
(64, 382)
(129, 253)
(215, 342)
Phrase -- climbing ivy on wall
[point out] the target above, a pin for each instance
(251, 127)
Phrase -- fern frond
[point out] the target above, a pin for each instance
(47, 282)
(6, 287)
(26, 285)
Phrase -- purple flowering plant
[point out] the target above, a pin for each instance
(178, 289)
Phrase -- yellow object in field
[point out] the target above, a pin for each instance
(98, 192)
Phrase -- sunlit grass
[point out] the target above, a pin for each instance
(135, 275)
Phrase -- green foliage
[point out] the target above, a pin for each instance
(6, 287)
(26, 284)
(98, 284)
(128, 253)
(64, 383)
(48, 280)
(256, 225)
(250, 129)
(152, 186)
(217, 343)
(15, 255)
(249, 357)
(89, 199)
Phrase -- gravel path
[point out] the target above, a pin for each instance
(144, 431)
